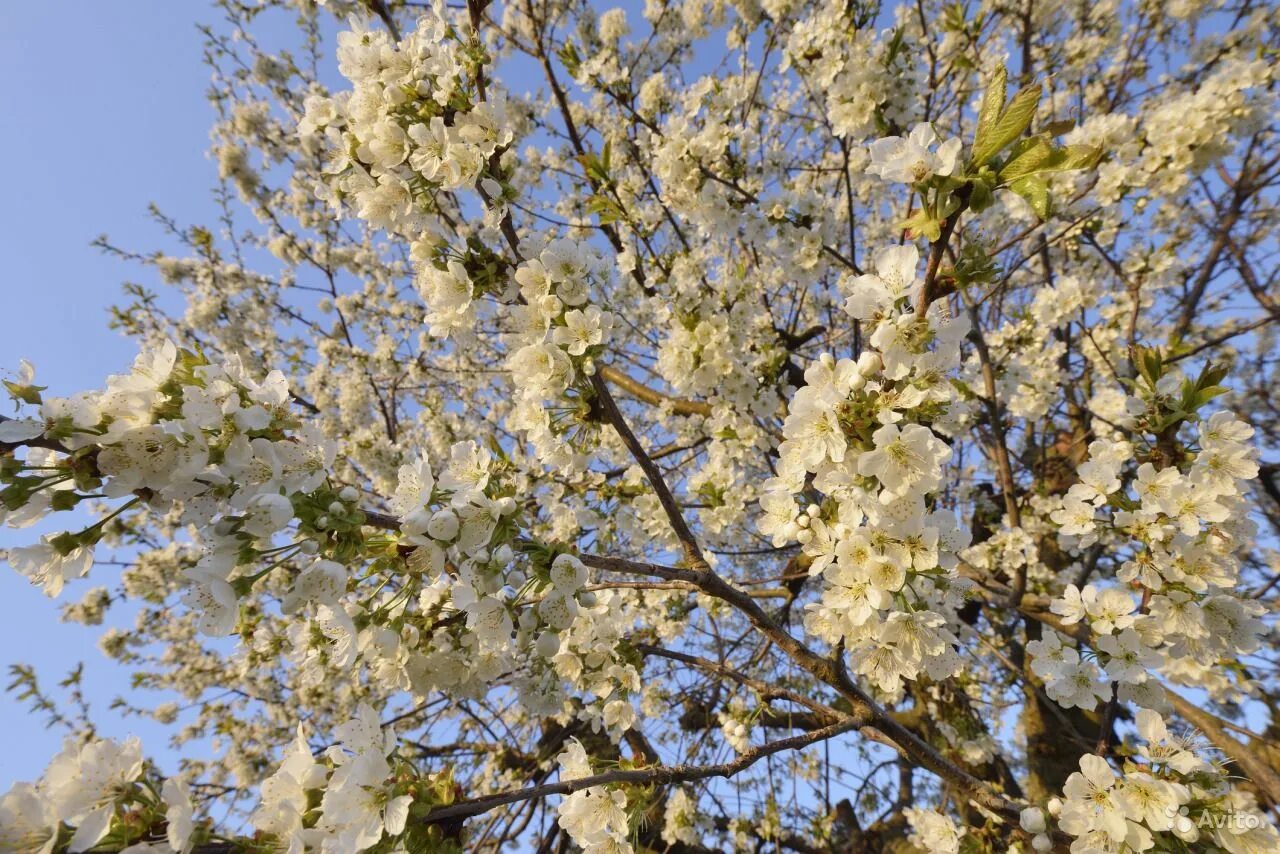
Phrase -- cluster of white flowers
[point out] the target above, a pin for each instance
(848, 68)
(1167, 796)
(735, 724)
(349, 798)
(228, 456)
(416, 122)
(695, 358)
(525, 607)
(856, 428)
(682, 822)
(1180, 531)
(440, 513)
(595, 818)
(363, 796)
(93, 793)
(1189, 131)
(933, 831)
(181, 434)
(1179, 134)
(557, 334)
(1028, 385)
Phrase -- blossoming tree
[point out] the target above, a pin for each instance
(707, 426)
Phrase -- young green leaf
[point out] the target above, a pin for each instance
(1032, 155)
(989, 112)
(1033, 189)
(1013, 121)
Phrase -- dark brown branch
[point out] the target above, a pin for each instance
(663, 774)
(689, 543)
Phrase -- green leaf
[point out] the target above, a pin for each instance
(605, 208)
(1013, 121)
(63, 499)
(1078, 157)
(1034, 190)
(1214, 374)
(29, 394)
(1205, 395)
(1026, 158)
(1150, 364)
(989, 112)
(595, 168)
(1036, 155)
(894, 47)
(571, 59)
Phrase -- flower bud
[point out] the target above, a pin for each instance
(415, 522)
(443, 525)
(528, 620)
(547, 644)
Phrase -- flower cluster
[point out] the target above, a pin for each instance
(352, 796)
(179, 433)
(933, 831)
(735, 724)
(364, 797)
(99, 793)
(681, 820)
(417, 122)
(1178, 527)
(556, 337)
(1186, 132)
(848, 68)
(866, 432)
(595, 817)
(470, 597)
(656, 444)
(1168, 796)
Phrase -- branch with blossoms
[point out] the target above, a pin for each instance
(648, 440)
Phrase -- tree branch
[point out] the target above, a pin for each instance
(662, 774)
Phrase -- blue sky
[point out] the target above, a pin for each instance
(104, 112)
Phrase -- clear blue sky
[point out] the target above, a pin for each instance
(104, 112)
